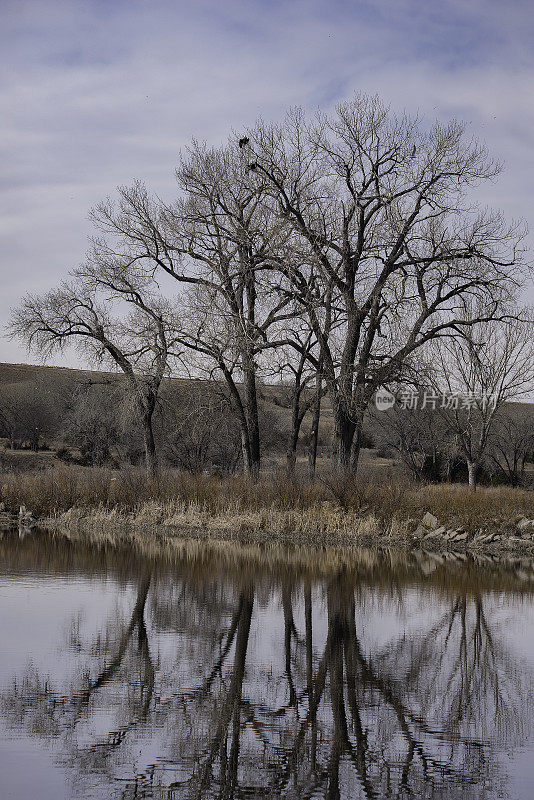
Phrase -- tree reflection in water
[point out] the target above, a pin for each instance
(187, 696)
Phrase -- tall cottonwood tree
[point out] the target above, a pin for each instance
(114, 317)
(378, 209)
(218, 241)
(221, 226)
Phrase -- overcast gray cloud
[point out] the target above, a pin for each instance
(97, 93)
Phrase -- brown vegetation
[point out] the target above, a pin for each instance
(273, 504)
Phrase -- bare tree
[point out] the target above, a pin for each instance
(298, 371)
(222, 226)
(217, 241)
(377, 209)
(478, 373)
(28, 413)
(93, 423)
(420, 437)
(511, 442)
(138, 341)
(201, 430)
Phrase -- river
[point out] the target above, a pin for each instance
(248, 672)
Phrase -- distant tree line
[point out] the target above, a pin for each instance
(430, 447)
(91, 422)
(340, 254)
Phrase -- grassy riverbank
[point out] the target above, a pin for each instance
(276, 504)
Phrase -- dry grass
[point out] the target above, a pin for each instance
(275, 503)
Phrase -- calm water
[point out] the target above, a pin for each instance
(246, 673)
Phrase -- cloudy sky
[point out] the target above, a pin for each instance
(95, 93)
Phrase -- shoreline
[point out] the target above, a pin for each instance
(128, 530)
(201, 551)
(328, 511)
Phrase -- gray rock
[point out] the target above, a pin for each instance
(460, 537)
(524, 523)
(441, 531)
(430, 521)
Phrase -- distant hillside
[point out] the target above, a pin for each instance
(28, 384)
(43, 377)
(32, 373)
(39, 374)
(53, 386)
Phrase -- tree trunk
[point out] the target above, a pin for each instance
(242, 415)
(245, 447)
(291, 458)
(237, 402)
(472, 469)
(297, 415)
(314, 436)
(344, 436)
(252, 416)
(151, 459)
(521, 475)
(357, 445)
